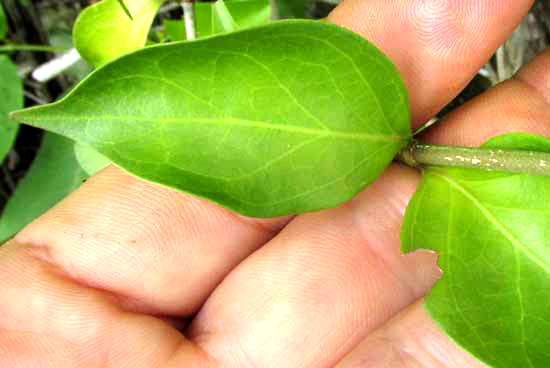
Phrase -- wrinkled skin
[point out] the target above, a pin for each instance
(126, 274)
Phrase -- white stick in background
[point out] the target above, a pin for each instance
(54, 67)
(189, 16)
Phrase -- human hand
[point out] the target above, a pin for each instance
(108, 276)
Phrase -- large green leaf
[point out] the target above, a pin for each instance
(492, 233)
(104, 31)
(11, 98)
(301, 125)
(53, 175)
(3, 23)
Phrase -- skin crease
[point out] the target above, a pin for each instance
(101, 279)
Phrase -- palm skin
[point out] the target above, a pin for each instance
(127, 274)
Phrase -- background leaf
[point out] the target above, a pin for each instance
(211, 17)
(53, 175)
(250, 13)
(3, 23)
(223, 21)
(492, 234)
(324, 115)
(175, 29)
(11, 98)
(226, 16)
(103, 31)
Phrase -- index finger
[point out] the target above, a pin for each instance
(438, 45)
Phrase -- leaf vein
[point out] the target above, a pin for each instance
(229, 121)
(280, 84)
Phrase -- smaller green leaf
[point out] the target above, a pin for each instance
(53, 175)
(126, 10)
(492, 234)
(104, 32)
(89, 159)
(3, 23)
(11, 98)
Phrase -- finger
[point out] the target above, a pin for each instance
(159, 251)
(438, 45)
(317, 288)
(49, 320)
(330, 278)
(411, 340)
(520, 104)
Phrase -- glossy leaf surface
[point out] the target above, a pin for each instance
(104, 31)
(492, 234)
(11, 98)
(298, 126)
(53, 175)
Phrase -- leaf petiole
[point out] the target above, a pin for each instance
(489, 159)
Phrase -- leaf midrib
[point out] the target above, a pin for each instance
(231, 122)
(493, 220)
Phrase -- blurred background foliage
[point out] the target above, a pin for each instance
(39, 169)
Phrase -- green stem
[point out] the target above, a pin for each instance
(513, 161)
(42, 48)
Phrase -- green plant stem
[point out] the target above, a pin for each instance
(514, 161)
(41, 48)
